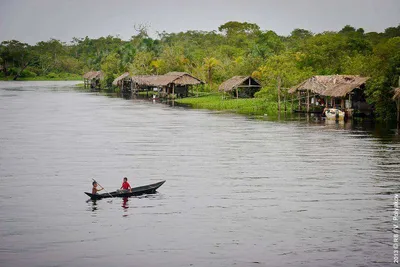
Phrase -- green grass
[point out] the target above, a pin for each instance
(144, 93)
(246, 106)
(64, 77)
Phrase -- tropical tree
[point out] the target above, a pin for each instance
(142, 63)
(111, 66)
(210, 63)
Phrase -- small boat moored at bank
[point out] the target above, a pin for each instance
(334, 114)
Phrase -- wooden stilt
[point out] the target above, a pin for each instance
(292, 102)
(398, 116)
(308, 101)
(284, 100)
(279, 94)
(299, 97)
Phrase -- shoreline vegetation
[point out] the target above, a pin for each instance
(235, 49)
(243, 106)
(66, 77)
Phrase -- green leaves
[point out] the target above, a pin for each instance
(111, 66)
(237, 48)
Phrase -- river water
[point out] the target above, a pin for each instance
(238, 191)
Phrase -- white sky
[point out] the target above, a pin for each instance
(39, 20)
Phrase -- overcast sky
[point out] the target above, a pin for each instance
(39, 20)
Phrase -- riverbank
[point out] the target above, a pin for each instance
(45, 78)
(246, 106)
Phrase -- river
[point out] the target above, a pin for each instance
(238, 191)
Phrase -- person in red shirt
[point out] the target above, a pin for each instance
(126, 185)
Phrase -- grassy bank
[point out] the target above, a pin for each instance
(246, 106)
(66, 77)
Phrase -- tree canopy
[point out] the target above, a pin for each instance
(237, 48)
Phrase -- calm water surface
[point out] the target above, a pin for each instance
(239, 192)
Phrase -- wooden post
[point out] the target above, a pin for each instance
(398, 110)
(284, 100)
(398, 116)
(279, 94)
(299, 97)
(351, 104)
(173, 90)
(292, 101)
(237, 93)
(326, 101)
(249, 88)
(308, 101)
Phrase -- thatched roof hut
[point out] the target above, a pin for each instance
(119, 79)
(183, 78)
(331, 85)
(152, 80)
(94, 75)
(176, 78)
(241, 82)
(88, 74)
(92, 79)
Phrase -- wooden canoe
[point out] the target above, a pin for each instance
(136, 191)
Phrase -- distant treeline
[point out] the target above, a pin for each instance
(235, 49)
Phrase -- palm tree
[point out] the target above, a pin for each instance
(209, 64)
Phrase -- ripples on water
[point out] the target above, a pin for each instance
(239, 192)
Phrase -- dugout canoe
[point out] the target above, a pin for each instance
(136, 191)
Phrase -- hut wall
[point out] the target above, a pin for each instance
(181, 91)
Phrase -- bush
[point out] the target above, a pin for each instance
(28, 74)
(12, 71)
(52, 75)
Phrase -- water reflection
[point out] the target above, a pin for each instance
(92, 204)
(125, 206)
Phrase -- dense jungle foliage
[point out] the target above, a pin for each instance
(237, 48)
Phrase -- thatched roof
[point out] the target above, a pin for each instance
(177, 73)
(177, 78)
(183, 78)
(93, 75)
(330, 85)
(239, 81)
(396, 93)
(151, 80)
(88, 74)
(118, 80)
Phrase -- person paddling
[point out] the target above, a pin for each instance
(95, 189)
(126, 185)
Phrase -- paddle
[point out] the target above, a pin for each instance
(102, 187)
